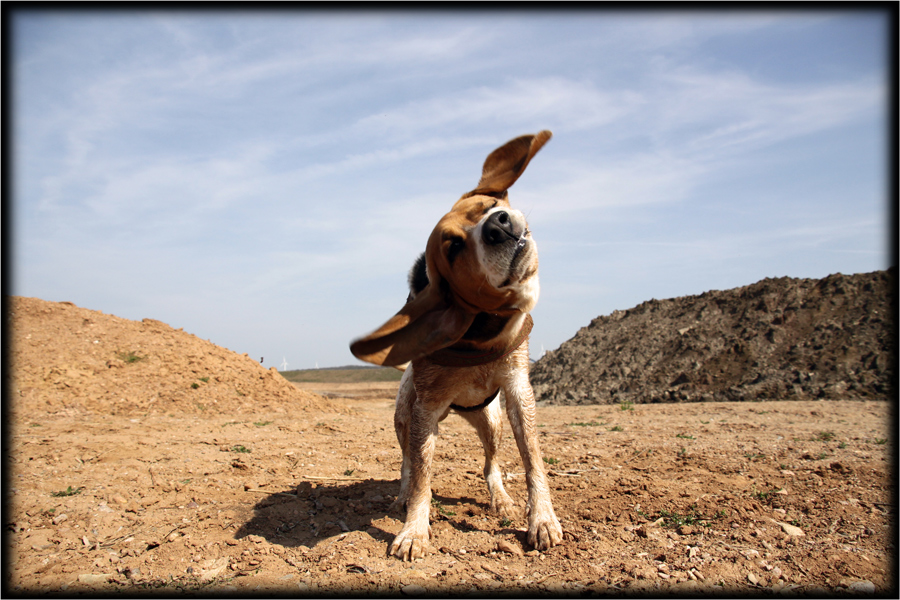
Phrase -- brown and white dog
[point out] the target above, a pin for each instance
(465, 329)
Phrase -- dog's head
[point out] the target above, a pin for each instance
(480, 258)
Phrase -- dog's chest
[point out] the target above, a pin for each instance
(463, 387)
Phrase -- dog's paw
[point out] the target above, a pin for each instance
(545, 532)
(411, 543)
(506, 507)
(399, 504)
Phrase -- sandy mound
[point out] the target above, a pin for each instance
(778, 339)
(67, 359)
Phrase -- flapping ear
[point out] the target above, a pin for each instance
(424, 325)
(505, 164)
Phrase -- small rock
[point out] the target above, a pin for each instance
(753, 578)
(505, 546)
(94, 578)
(862, 587)
(119, 499)
(60, 518)
(256, 539)
(791, 530)
(685, 530)
(212, 568)
(413, 590)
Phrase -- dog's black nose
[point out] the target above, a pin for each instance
(498, 228)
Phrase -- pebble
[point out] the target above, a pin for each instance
(413, 590)
(862, 587)
(93, 578)
(791, 530)
(505, 546)
(60, 518)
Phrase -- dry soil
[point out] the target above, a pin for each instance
(289, 492)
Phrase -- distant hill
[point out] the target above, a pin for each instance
(778, 339)
(347, 374)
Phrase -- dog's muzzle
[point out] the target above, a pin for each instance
(501, 227)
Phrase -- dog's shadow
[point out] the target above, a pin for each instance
(308, 515)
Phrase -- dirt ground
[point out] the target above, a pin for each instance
(719, 498)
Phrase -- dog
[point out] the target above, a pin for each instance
(464, 334)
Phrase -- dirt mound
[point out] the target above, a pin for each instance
(778, 339)
(70, 360)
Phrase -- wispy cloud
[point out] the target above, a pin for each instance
(261, 160)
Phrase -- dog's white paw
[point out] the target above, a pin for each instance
(544, 531)
(505, 506)
(411, 543)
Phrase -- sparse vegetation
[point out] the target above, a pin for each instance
(684, 436)
(441, 510)
(588, 424)
(763, 495)
(240, 448)
(616, 428)
(69, 491)
(626, 405)
(128, 357)
(262, 423)
(550, 460)
(824, 436)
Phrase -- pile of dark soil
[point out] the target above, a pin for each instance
(778, 339)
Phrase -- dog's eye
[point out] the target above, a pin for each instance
(454, 248)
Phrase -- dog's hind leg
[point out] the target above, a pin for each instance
(406, 396)
(488, 422)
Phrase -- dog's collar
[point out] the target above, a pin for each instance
(487, 401)
(451, 357)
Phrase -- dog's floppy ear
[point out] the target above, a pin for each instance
(505, 164)
(424, 325)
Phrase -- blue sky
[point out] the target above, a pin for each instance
(265, 179)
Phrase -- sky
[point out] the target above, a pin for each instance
(265, 179)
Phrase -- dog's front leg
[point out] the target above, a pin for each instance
(406, 398)
(544, 529)
(412, 541)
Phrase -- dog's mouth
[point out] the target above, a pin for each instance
(518, 253)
